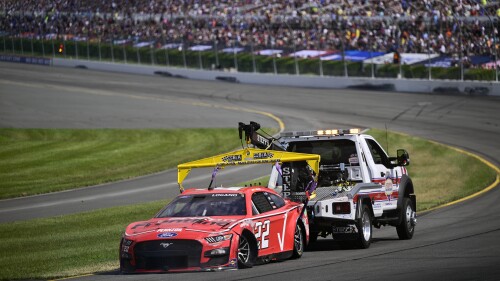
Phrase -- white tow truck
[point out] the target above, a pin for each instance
(358, 186)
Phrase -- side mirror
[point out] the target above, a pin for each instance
(403, 157)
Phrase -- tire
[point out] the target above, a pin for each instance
(407, 226)
(246, 253)
(298, 242)
(364, 228)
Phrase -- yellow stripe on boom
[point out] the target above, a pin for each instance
(247, 156)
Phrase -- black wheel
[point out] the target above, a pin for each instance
(246, 253)
(364, 228)
(298, 242)
(407, 226)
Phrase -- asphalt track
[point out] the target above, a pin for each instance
(459, 242)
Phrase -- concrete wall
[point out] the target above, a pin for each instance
(380, 84)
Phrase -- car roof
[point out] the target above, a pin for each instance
(248, 189)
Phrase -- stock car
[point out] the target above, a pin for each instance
(223, 228)
(219, 228)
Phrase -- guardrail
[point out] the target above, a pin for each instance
(306, 81)
(473, 88)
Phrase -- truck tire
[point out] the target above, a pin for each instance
(407, 226)
(364, 228)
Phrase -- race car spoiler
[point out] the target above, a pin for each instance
(247, 156)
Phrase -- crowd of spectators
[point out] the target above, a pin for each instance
(436, 26)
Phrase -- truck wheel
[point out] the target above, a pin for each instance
(298, 242)
(364, 228)
(407, 226)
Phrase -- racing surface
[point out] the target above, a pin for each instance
(457, 243)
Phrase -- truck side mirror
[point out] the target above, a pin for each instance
(403, 157)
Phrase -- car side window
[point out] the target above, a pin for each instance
(261, 202)
(278, 201)
(379, 157)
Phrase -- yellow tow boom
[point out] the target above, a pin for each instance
(247, 156)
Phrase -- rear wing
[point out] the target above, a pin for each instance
(247, 156)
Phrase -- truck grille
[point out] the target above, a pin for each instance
(167, 254)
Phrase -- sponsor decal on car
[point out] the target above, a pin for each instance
(233, 262)
(169, 230)
(167, 235)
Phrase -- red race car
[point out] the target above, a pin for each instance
(219, 228)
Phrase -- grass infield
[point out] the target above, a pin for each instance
(35, 161)
(88, 242)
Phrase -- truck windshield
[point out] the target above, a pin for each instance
(332, 151)
(200, 205)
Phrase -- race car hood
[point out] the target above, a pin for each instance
(179, 225)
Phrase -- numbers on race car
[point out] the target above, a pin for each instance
(261, 233)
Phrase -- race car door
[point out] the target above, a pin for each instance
(268, 222)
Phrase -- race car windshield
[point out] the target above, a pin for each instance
(201, 205)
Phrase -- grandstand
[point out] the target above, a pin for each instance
(456, 30)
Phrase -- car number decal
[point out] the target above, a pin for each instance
(261, 233)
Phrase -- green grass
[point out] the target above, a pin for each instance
(34, 161)
(88, 242)
(67, 245)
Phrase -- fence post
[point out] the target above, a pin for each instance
(343, 56)
(184, 53)
(199, 59)
(76, 48)
(53, 47)
(124, 53)
(12, 39)
(151, 49)
(216, 54)
(235, 54)
(112, 50)
(99, 47)
(32, 48)
(372, 66)
(429, 50)
(88, 48)
(253, 56)
(138, 55)
(43, 46)
(22, 45)
(167, 59)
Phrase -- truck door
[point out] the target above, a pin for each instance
(382, 173)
